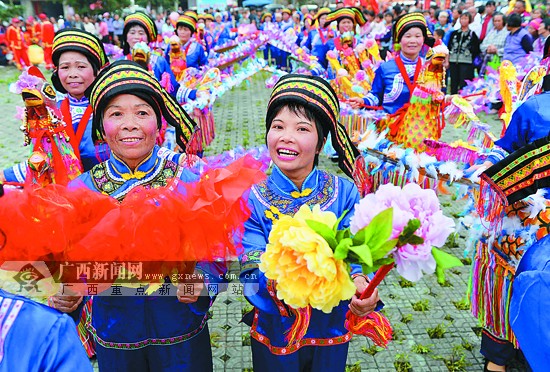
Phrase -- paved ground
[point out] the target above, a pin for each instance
(415, 310)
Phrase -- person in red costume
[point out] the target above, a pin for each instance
(47, 32)
(17, 44)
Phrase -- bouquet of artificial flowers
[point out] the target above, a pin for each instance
(309, 257)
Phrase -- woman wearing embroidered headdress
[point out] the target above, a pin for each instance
(521, 175)
(345, 43)
(140, 28)
(301, 113)
(320, 38)
(394, 80)
(191, 53)
(143, 333)
(77, 57)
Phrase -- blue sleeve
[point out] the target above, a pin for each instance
(167, 54)
(518, 132)
(254, 281)
(161, 67)
(527, 43)
(376, 96)
(17, 173)
(307, 43)
(447, 37)
(203, 60)
(61, 350)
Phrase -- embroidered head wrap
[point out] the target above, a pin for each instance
(287, 11)
(265, 15)
(139, 19)
(128, 77)
(187, 21)
(317, 95)
(517, 176)
(354, 14)
(192, 14)
(208, 16)
(76, 40)
(405, 23)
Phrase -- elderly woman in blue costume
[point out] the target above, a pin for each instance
(345, 44)
(301, 112)
(143, 333)
(394, 80)
(191, 52)
(320, 38)
(77, 56)
(140, 28)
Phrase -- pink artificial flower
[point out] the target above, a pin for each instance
(408, 203)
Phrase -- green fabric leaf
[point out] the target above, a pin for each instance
(363, 252)
(335, 227)
(383, 250)
(444, 261)
(407, 236)
(379, 230)
(342, 249)
(326, 232)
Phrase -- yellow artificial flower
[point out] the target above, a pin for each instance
(303, 264)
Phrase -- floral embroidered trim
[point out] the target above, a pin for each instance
(143, 343)
(304, 342)
(250, 260)
(272, 290)
(325, 195)
(9, 321)
(107, 183)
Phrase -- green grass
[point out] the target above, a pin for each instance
(401, 363)
(422, 305)
(406, 319)
(437, 332)
(422, 349)
(463, 304)
(371, 350)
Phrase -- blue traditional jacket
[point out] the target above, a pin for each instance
(528, 123)
(130, 322)
(38, 338)
(221, 34)
(271, 319)
(196, 56)
(90, 154)
(318, 48)
(388, 88)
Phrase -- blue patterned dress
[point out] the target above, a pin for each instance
(270, 320)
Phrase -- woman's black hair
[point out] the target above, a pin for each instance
(514, 20)
(302, 111)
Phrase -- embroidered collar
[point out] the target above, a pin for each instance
(408, 61)
(80, 102)
(280, 181)
(119, 169)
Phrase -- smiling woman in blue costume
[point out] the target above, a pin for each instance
(320, 39)
(394, 80)
(139, 27)
(77, 56)
(143, 333)
(192, 53)
(302, 111)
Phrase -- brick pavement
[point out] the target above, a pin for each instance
(240, 120)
